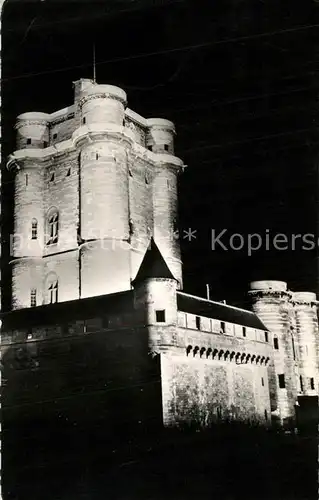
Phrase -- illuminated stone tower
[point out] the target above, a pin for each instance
(93, 183)
(292, 320)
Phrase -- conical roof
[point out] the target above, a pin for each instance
(153, 265)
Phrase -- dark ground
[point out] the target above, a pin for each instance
(228, 462)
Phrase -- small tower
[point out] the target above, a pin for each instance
(271, 303)
(305, 307)
(160, 140)
(155, 299)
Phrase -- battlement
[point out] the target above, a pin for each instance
(95, 106)
(276, 286)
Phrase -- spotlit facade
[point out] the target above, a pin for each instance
(97, 284)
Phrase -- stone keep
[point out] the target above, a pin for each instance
(102, 180)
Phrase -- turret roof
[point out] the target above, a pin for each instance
(153, 265)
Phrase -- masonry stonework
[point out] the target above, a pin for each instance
(97, 288)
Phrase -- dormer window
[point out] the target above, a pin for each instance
(160, 316)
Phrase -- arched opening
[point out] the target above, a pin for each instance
(34, 229)
(52, 223)
(202, 351)
(196, 349)
(51, 291)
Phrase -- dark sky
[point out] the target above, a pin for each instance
(240, 80)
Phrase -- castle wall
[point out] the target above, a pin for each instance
(61, 192)
(28, 204)
(84, 377)
(26, 274)
(165, 209)
(307, 341)
(105, 267)
(62, 129)
(140, 210)
(196, 390)
(104, 191)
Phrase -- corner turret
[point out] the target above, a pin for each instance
(155, 297)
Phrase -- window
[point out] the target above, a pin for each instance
(26, 179)
(150, 148)
(222, 327)
(52, 177)
(312, 383)
(29, 335)
(266, 337)
(105, 322)
(55, 136)
(197, 319)
(276, 344)
(96, 156)
(281, 380)
(262, 381)
(53, 292)
(160, 316)
(53, 228)
(166, 147)
(33, 297)
(84, 121)
(45, 144)
(266, 415)
(130, 173)
(28, 140)
(68, 173)
(293, 347)
(146, 179)
(34, 229)
(244, 331)
(301, 383)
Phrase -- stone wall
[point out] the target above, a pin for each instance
(204, 391)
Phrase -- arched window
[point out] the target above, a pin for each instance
(52, 226)
(34, 229)
(53, 292)
(52, 289)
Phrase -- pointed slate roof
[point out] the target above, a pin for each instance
(153, 265)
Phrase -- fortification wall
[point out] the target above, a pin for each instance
(203, 392)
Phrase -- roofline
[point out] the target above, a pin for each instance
(64, 303)
(225, 305)
(215, 302)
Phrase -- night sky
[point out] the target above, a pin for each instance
(239, 78)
